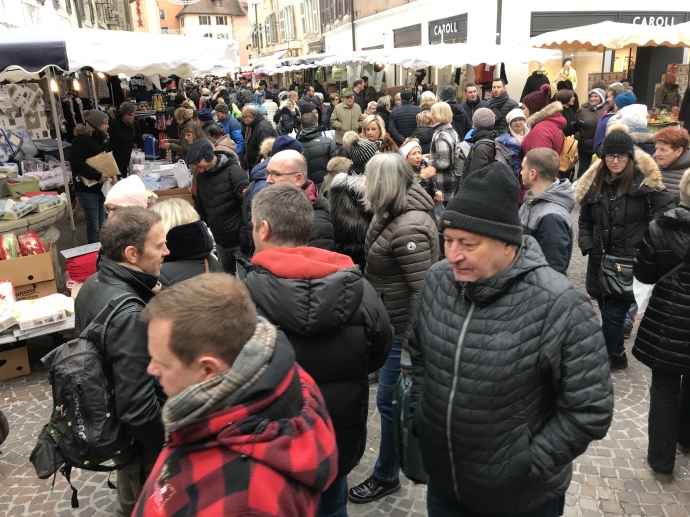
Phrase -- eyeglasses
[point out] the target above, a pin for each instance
(619, 157)
(280, 175)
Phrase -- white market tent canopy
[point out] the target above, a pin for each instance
(613, 36)
(457, 54)
(30, 50)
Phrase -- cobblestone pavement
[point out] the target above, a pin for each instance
(611, 478)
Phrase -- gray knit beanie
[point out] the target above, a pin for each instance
(95, 118)
(483, 118)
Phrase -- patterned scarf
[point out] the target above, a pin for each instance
(219, 393)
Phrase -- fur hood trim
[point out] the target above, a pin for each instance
(551, 109)
(623, 128)
(354, 184)
(82, 129)
(642, 137)
(644, 162)
(338, 164)
(265, 147)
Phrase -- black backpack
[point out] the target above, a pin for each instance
(83, 431)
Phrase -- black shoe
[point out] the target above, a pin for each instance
(627, 330)
(660, 470)
(371, 489)
(374, 377)
(618, 362)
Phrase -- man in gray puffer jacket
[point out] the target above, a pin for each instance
(511, 378)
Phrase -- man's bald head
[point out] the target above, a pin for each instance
(287, 166)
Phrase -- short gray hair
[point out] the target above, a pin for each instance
(385, 102)
(126, 108)
(288, 212)
(251, 110)
(388, 178)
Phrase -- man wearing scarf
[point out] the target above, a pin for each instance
(248, 429)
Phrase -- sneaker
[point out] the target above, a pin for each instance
(371, 489)
(618, 362)
(627, 330)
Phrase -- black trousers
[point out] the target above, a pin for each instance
(669, 418)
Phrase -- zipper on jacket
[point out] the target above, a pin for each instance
(619, 266)
(449, 411)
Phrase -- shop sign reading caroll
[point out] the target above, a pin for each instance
(654, 21)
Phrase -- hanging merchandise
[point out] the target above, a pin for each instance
(534, 82)
(161, 123)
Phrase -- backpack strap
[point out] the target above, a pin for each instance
(96, 329)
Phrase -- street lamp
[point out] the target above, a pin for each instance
(108, 16)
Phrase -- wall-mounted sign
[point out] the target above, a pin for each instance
(447, 29)
(654, 19)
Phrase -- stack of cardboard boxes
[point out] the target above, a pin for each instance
(608, 78)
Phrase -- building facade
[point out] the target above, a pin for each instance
(74, 14)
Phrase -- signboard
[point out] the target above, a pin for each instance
(552, 21)
(446, 29)
(654, 19)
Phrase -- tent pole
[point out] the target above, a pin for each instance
(56, 122)
(603, 62)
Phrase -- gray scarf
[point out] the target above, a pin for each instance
(200, 400)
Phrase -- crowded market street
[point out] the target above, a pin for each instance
(611, 478)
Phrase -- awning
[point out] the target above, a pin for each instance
(32, 49)
(612, 36)
(263, 60)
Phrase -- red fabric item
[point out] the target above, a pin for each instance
(34, 194)
(212, 468)
(303, 263)
(312, 191)
(82, 267)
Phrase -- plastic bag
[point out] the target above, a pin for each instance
(642, 292)
(15, 145)
(182, 174)
(9, 247)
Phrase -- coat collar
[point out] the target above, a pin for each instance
(539, 116)
(651, 176)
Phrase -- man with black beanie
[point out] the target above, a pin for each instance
(510, 375)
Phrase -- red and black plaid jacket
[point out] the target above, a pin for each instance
(269, 457)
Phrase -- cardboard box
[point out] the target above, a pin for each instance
(182, 193)
(42, 207)
(46, 319)
(13, 216)
(683, 69)
(33, 276)
(14, 363)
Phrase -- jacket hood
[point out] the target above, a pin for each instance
(418, 199)
(633, 116)
(338, 164)
(274, 443)
(82, 129)
(424, 134)
(353, 183)
(527, 258)
(651, 176)
(225, 144)
(552, 111)
(259, 171)
(560, 192)
(188, 242)
(309, 133)
(324, 288)
(483, 134)
(676, 226)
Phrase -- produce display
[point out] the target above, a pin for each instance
(27, 244)
(662, 118)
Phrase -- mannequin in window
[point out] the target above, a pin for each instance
(567, 73)
(534, 81)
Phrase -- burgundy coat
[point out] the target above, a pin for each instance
(546, 129)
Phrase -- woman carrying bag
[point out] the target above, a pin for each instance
(663, 339)
(619, 195)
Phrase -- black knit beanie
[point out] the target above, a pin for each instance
(487, 204)
(618, 142)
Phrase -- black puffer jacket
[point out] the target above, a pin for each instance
(663, 339)
(424, 134)
(501, 106)
(385, 116)
(259, 129)
(219, 199)
(461, 122)
(399, 251)
(138, 396)
(318, 151)
(337, 326)
(189, 245)
(624, 221)
(511, 382)
(88, 142)
(674, 173)
(403, 121)
(122, 138)
(350, 217)
(322, 234)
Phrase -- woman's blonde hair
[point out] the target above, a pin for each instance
(175, 212)
(293, 95)
(442, 112)
(374, 118)
(423, 118)
(182, 114)
(290, 103)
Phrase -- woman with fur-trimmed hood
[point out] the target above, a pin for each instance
(619, 196)
(335, 166)
(351, 218)
(546, 122)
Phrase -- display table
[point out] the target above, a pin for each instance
(19, 335)
(658, 126)
(42, 224)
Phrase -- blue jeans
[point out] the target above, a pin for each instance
(438, 505)
(613, 313)
(334, 499)
(387, 466)
(226, 257)
(585, 160)
(94, 211)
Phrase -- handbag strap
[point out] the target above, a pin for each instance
(206, 265)
(677, 268)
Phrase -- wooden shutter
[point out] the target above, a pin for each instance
(302, 13)
(281, 17)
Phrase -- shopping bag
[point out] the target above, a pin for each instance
(406, 443)
(182, 174)
(105, 164)
(643, 292)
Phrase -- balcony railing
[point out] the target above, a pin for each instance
(173, 32)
